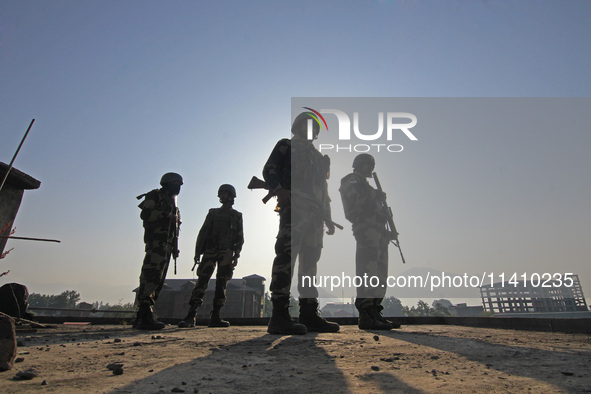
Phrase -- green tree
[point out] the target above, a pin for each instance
(40, 300)
(423, 309)
(119, 307)
(67, 299)
(443, 302)
(392, 307)
(439, 310)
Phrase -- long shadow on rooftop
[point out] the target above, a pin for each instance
(551, 366)
(289, 364)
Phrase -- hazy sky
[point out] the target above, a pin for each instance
(124, 91)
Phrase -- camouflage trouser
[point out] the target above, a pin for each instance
(300, 235)
(205, 270)
(371, 259)
(153, 272)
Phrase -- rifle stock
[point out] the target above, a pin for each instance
(390, 219)
(256, 183)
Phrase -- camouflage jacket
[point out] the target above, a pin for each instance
(297, 166)
(360, 202)
(222, 230)
(157, 210)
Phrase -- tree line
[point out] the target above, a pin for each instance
(70, 299)
(392, 307)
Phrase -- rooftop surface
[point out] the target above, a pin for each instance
(415, 358)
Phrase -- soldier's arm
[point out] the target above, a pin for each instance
(152, 211)
(357, 197)
(327, 210)
(274, 163)
(201, 243)
(239, 237)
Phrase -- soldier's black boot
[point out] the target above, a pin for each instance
(310, 317)
(377, 315)
(136, 321)
(215, 320)
(367, 321)
(145, 319)
(189, 320)
(281, 323)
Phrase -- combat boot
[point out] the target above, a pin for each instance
(310, 317)
(136, 321)
(281, 323)
(215, 320)
(145, 319)
(367, 321)
(189, 320)
(377, 315)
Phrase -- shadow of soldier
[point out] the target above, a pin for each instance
(267, 363)
(565, 368)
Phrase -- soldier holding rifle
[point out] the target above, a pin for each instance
(161, 219)
(366, 208)
(220, 242)
(297, 174)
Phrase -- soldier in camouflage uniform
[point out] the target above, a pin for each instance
(161, 219)
(296, 172)
(220, 241)
(363, 207)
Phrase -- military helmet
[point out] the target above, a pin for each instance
(363, 158)
(228, 188)
(300, 124)
(171, 177)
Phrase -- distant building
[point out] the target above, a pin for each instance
(85, 310)
(244, 298)
(546, 296)
(463, 310)
(11, 196)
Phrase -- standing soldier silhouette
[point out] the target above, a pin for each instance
(161, 219)
(220, 241)
(364, 208)
(296, 172)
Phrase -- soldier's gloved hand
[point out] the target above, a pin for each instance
(283, 197)
(234, 261)
(175, 253)
(196, 260)
(331, 228)
(380, 195)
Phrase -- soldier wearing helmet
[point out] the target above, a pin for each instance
(297, 173)
(363, 207)
(220, 241)
(161, 219)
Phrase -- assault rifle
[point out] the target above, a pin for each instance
(174, 247)
(175, 240)
(256, 183)
(390, 218)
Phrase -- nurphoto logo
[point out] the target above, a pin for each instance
(395, 123)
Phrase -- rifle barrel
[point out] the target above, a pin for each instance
(16, 153)
(30, 239)
(390, 218)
